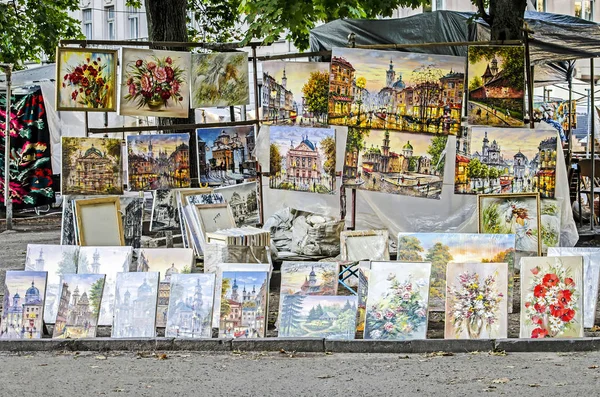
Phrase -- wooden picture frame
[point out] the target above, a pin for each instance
(94, 224)
(346, 236)
(202, 210)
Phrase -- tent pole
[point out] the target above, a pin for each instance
(570, 127)
(256, 121)
(7, 198)
(593, 143)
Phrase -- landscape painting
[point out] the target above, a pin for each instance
(220, 79)
(395, 162)
(302, 159)
(503, 160)
(135, 305)
(243, 201)
(158, 162)
(295, 93)
(396, 90)
(23, 305)
(309, 278)
(80, 298)
(164, 211)
(496, 81)
(190, 306)
(550, 221)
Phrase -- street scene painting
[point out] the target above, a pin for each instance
(396, 90)
(159, 161)
(23, 305)
(80, 297)
(57, 261)
(91, 166)
(190, 306)
(224, 155)
(476, 301)
(330, 317)
(302, 159)
(506, 160)
(496, 85)
(220, 79)
(242, 200)
(295, 93)
(164, 211)
(135, 305)
(395, 162)
(552, 297)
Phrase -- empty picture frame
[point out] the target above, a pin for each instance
(99, 222)
(364, 245)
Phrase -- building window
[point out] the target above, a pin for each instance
(134, 23)
(109, 13)
(87, 23)
(540, 5)
(437, 5)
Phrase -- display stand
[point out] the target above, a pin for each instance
(7, 67)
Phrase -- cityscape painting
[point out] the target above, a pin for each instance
(506, 160)
(395, 162)
(243, 201)
(79, 308)
(164, 211)
(23, 305)
(159, 161)
(132, 215)
(396, 90)
(295, 93)
(190, 306)
(496, 85)
(220, 79)
(302, 159)
(135, 305)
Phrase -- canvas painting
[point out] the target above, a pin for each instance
(550, 221)
(164, 211)
(190, 306)
(86, 79)
(555, 112)
(295, 93)
(80, 297)
(68, 234)
(502, 160)
(395, 162)
(23, 305)
(91, 166)
(476, 301)
(496, 81)
(397, 301)
(591, 277)
(108, 261)
(364, 245)
(135, 305)
(220, 79)
(552, 297)
(396, 90)
(57, 261)
(154, 83)
(309, 278)
(362, 292)
(243, 201)
(302, 159)
(132, 214)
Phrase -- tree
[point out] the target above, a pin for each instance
(427, 91)
(275, 158)
(83, 265)
(355, 139)
(505, 17)
(409, 249)
(291, 308)
(512, 62)
(439, 255)
(251, 201)
(328, 147)
(316, 93)
(225, 307)
(96, 296)
(475, 83)
(437, 151)
(68, 263)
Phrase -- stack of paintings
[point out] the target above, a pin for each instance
(243, 201)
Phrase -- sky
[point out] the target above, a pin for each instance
(297, 73)
(209, 135)
(511, 140)
(160, 259)
(133, 280)
(188, 283)
(478, 69)
(419, 142)
(20, 281)
(248, 279)
(373, 64)
(86, 143)
(282, 135)
(111, 259)
(138, 144)
(294, 279)
(81, 281)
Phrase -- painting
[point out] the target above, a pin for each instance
(555, 113)
(80, 297)
(322, 316)
(395, 162)
(443, 248)
(190, 306)
(214, 217)
(550, 221)
(362, 293)
(91, 166)
(86, 79)
(224, 155)
(220, 79)
(132, 216)
(158, 162)
(135, 305)
(397, 301)
(295, 93)
(164, 211)
(396, 90)
(517, 214)
(67, 227)
(302, 159)
(154, 83)
(506, 160)
(99, 221)
(23, 305)
(359, 245)
(243, 201)
(476, 301)
(108, 261)
(309, 278)
(57, 261)
(552, 297)
(496, 81)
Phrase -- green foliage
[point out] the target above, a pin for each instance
(328, 147)
(96, 296)
(290, 312)
(409, 248)
(355, 139)
(475, 83)
(222, 79)
(439, 255)
(68, 263)
(275, 158)
(437, 150)
(513, 64)
(316, 93)
(225, 307)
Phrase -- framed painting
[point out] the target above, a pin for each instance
(136, 295)
(243, 201)
(220, 79)
(365, 245)
(23, 313)
(99, 221)
(190, 306)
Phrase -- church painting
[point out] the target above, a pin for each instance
(309, 278)
(190, 306)
(23, 305)
(243, 201)
(135, 305)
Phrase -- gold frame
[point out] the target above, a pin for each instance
(513, 195)
(345, 235)
(59, 78)
(95, 202)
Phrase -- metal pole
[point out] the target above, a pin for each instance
(569, 132)
(86, 125)
(593, 143)
(587, 146)
(529, 72)
(256, 131)
(7, 198)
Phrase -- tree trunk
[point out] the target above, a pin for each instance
(507, 19)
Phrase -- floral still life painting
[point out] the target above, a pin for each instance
(220, 79)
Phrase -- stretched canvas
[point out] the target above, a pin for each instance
(214, 217)
(220, 79)
(555, 112)
(154, 83)
(476, 301)
(362, 292)
(243, 201)
(309, 278)
(108, 261)
(86, 79)
(57, 261)
(23, 305)
(68, 234)
(295, 93)
(397, 301)
(502, 160)
(135, 305)
(552, 297)
(91, 166)
(302, 159)
(99, 221)
(80, 297)
(364, 244)
(550, 221)
(591, 277)
(396, 90)
(190, 306)
(164, 211)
